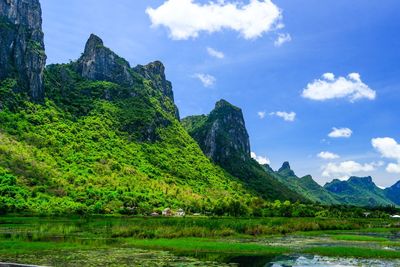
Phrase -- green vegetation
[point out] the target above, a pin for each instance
(223, 137)
(196, 245)
(305, 185)
(359, 191)
(49, 241)
(359, 238)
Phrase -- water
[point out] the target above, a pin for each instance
(78, 242)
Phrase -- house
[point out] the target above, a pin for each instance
(167, 212)
(395, 216)
(180, 213)
(366, 214)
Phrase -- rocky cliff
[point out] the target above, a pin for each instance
(99, 63)
(223, 137)
(22, 54)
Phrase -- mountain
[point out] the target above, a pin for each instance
(96, 135)
(22, 56)
(306, 185)
(223, 137)
(393, 193)
(359, 191)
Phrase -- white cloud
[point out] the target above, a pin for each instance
(344, 170)
(328, 155)
(186, 19)
(260, 159)
(287, 116)
(340, 133)
(329, 87)
(206, 79)
(388, 148)
(215, 53)
(329, 76)
(261, 114)
(282, 38)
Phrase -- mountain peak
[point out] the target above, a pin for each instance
(100, 63)
(286, 170)
(361, 180)
(223, 104)
(285, 166)
(92, 43)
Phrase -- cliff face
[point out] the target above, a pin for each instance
(99, 63)
(155, 72)
(222, 135)
(22, 54)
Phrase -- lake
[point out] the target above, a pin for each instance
(138, 241)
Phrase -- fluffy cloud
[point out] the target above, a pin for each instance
(287, 116)
(340, 133)
(215, 53)
(186, 19)
(282, 38)
(388, 148)
(206, 79)
(330, 87)
(260, 159)
(328, 155)
(344, 170)
(261, 114)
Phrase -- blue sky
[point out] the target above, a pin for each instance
(258, 75)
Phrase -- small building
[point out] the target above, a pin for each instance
(155, 214)
(167, 212)
(180, 213)
(395, 216)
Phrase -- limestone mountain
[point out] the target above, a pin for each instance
(286, 170)
(22, 57)
(359, 191)
(393, 193)
(223, 137)
(97, 136)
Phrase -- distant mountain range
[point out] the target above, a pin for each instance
(99, 136)
(357, 191)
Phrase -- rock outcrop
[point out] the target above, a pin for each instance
(22, 55)
(223, 135)
(101, 64)
(155, 72)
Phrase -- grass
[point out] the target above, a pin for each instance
(20, 247)
(354, 252)
(206, 245)
(359, 238)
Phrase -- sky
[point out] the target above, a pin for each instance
(318, 81)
